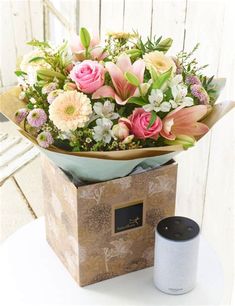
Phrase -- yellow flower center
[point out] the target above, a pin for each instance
(70, 110)
(160, 64)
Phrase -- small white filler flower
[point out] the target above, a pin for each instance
(102, 131)
(156, 102)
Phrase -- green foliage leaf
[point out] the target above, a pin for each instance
(50, 74)
(20, 73)
(132, 79)
(35, 59)
(152, 119)
(39, 44)
(134, 53)
(153, 73)
(164, 45)
(85, 38)
(161, 79)
(137, 100)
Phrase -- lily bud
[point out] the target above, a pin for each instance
(184, 140)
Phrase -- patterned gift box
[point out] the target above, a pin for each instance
(106, 229)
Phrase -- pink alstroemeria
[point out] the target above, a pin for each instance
(123, 89)
(96, 51)
(184, 121)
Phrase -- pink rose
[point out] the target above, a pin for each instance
(139, 124)
(88, 76)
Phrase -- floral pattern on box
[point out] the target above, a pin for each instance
(79, 221)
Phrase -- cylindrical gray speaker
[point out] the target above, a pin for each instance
(176, 254)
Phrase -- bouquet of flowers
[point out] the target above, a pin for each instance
(125, 100)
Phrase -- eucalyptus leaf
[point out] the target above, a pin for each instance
(152, 119)
(85, 38)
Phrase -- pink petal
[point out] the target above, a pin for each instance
(124, 62)
(116, 76)
(191, 114)
(98, 53)
(95, 40)
(104, 92)
(119, 100)
(126, 121)
(75, 43)
(196, 129)
(166, 135)
(138, 69)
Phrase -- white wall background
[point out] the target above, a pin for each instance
(206, 172)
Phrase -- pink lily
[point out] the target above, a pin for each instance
(96, 51)
(184, 121)
(123, 89)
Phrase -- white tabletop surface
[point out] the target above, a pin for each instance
(31, 274)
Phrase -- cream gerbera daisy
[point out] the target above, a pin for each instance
(159, 61)
(70, 110)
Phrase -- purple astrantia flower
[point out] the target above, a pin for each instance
(37, 117)
(199, 92)
(21, 114)
(192, 80)
(45, 139)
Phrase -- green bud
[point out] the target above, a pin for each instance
(165, 45)
(184, 140)
(85, 38)
(132, 79)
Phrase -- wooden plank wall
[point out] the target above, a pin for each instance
(206, 173)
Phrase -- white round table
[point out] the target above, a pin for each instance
(32, 274)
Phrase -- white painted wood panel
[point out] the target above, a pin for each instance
(89, 15)
(174, 26)
(226, 67)
(20, 21)
(138, 16)
(191, 180)
(111, 16)
(7, 45)
(204, 25)
(219, 213)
